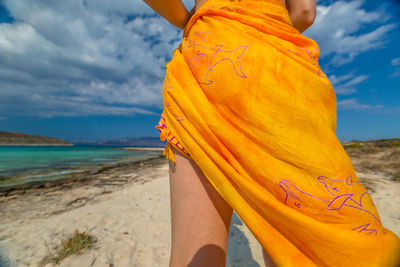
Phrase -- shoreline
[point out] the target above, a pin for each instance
(83, 176)
(143, 148)
(37, 145)
(115, 205)
(127, 208)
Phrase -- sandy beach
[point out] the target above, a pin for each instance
(127, 210)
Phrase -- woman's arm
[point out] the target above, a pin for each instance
(302, 13)
(173, 11)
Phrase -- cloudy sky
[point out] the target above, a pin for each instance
(93, 69)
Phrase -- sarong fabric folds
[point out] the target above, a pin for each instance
(244, 97)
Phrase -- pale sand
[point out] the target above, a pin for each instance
(132, 222)
(144, 148)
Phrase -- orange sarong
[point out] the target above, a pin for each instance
(245, 99)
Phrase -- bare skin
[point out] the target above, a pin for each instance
(199, 3)
(200, 218)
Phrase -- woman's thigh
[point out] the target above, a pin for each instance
(200, 217)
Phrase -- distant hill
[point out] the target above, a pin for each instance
(13, 139)
(128, 141)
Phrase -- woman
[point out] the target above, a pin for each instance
(250, 122)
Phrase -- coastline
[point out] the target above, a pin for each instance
(144, 148)
(43, 214)
(127, 208)
(84, 175)
(37, 145)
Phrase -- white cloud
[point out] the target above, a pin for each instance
(396, 64)
(339, 29)
(77, 58)
(353, 104)
(396, 73)
(344, 84)
(395, 61)
(335, 80)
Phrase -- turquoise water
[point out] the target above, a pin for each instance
(21, 164)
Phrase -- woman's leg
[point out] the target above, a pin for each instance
(200, 217)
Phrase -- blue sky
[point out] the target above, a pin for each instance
(93, 69)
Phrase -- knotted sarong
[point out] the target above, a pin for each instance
(245, 98)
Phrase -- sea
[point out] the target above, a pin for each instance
(23, 164)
